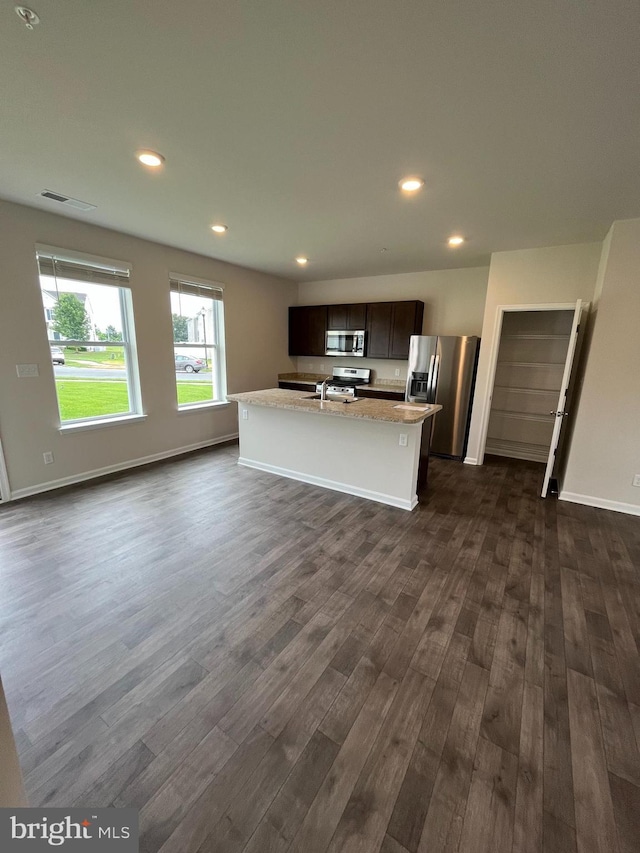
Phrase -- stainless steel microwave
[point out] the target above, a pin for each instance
(344, 343)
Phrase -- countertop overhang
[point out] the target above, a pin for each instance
(363, 408)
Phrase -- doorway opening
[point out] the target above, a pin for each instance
(531, 372)
(5, 493)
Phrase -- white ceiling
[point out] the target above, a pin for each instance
(293, 120)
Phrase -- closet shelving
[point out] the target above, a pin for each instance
(531, 359)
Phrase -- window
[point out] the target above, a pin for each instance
(89, 318)
(198, 341)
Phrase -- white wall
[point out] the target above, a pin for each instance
(349, 454)
(12, 793)
(605, 449)
(255, 307)
(557, 274)
(454, 305)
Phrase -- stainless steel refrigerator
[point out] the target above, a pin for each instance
(442, 370)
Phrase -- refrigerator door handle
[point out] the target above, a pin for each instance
(433, 387)
(432, 361)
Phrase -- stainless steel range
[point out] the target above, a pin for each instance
(344, 382)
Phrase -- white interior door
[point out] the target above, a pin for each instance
(5, 494)
(560, 410)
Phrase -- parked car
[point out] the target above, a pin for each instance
(57, 356)
(190, 365)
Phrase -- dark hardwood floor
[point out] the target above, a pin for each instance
(260, 665)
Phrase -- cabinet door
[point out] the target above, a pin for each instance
(395, 396)
(337, 317)
(349, 318)
(317, 330)
(406, 320)
(307, 328)
(357, 316)
(297, 386)
(378, 329)
(298, 331)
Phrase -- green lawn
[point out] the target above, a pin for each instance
(112, 357)
(79, 398)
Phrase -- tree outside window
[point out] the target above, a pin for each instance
(69, 318)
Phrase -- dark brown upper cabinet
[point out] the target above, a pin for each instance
(307, 329)
(349, 318)
(406, 320)
(378, 329)
(389, 327)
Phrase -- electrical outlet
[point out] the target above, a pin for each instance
(636, 480)
(48, 457)
(25, 371)
(402, 441)
(322, 366)
(245, 414)
(397, 371)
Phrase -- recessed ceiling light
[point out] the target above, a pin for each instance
(456, 240)
(27, 16)
(302, 261)
(219, 229)
(150, 158)
(410, 185)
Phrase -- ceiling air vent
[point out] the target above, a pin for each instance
(69, 202)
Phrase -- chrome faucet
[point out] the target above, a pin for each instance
(323, 389)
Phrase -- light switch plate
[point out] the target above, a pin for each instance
(636, 480)
(25, 371)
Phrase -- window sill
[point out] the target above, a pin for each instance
(202, 407)
(69, 429)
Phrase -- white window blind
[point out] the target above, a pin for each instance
(59, 263)
(204, 291)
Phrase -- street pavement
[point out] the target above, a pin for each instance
(63, 372)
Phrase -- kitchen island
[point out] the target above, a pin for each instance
(375, 449)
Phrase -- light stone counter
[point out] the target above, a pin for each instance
(361, 408)
(369, 448)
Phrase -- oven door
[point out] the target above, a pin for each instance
(344, 343)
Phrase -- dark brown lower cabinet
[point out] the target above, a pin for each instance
(297, 386)
(381, 395)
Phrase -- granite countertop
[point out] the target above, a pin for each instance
(367, 409)
(390, 386)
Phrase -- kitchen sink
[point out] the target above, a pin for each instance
(331, 399)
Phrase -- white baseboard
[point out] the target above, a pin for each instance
(600, 503)
(518, 451)
(470, 460)
(119, 466)
(390, 500)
